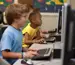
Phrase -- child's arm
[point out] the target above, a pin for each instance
(28, 40)
(8, 54)
(39, 37)
(14, 55)
(6, 43)
(40, 34)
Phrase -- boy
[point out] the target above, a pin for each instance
(31, 32)
(11, 42)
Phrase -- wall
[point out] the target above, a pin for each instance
(50, 21)
(72, 2)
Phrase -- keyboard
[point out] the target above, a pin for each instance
(52, 39)
(43, 51)
(43, 54)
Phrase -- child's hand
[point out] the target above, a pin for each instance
(44, 31)
(30, 54)
(41, 41)
(42, 35)
(31, 49)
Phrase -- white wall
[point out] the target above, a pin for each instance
(72, 2)
(49, 21)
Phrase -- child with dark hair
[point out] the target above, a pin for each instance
(32, 31)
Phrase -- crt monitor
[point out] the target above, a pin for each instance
(1, 16)
(67, 34)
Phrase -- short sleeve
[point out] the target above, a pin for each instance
(6, 42)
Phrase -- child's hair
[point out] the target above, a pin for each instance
(35, 11)
(15, 11)
(31, 6)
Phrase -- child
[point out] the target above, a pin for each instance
(11, 42)
(32, 32)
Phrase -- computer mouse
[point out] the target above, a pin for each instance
(47, 35)
(29, 62)
(44, 42)
(24, 62)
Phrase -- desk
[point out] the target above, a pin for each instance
(52, 62)
(57, 45)
(3, 62)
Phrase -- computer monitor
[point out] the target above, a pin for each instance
(1, 16)
(59, 21)
(67, 34)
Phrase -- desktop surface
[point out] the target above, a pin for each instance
(52, 62)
